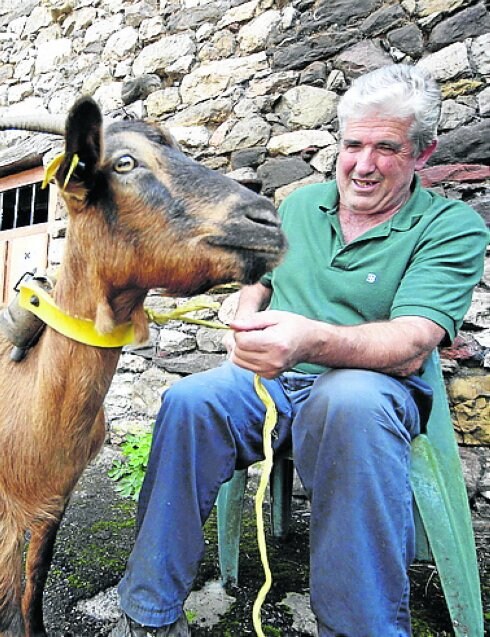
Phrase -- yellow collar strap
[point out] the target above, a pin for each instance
(40, 303)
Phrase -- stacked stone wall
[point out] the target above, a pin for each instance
(250, 89)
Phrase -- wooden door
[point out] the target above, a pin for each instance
(25, 253)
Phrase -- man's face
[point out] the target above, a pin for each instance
(376, 164)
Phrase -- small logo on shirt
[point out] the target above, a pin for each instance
(371, 278)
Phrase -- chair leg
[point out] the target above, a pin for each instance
(422, 546)
(281, 492)
(444, 511)
(229, 513)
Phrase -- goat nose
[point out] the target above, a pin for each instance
(262, 212)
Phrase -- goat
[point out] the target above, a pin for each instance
(141, 215)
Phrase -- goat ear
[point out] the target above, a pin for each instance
(83, 138)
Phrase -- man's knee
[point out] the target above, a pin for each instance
(355, 392)
(206, 400)
(187, 392)
(348, 404)
(196, 391)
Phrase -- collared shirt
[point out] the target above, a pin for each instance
(424, 261)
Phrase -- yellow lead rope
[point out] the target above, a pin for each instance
(269, 424)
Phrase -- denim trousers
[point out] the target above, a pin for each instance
(351, 432)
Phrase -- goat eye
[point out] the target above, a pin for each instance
(125, 164)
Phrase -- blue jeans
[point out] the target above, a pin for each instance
(351, 432)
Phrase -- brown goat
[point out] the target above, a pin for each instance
(141, 215)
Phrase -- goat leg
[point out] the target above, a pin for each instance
(11, 622)
(38, 562)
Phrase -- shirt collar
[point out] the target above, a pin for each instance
(408, 215)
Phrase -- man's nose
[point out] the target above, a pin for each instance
(365, 161)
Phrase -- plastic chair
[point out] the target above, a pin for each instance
(444, 532)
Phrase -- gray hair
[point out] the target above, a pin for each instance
(398, 90)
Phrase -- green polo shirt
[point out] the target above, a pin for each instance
(424, 261)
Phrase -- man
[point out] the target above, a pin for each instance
(378, 273)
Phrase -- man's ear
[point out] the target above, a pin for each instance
(423, 158)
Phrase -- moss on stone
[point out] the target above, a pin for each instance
(460, 87)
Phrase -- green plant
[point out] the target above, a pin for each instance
(129, 472)
(272, 631)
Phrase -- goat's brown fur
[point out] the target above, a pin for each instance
(141, 215)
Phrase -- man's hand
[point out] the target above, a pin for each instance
(269, 343)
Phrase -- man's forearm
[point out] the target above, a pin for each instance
(395, 347)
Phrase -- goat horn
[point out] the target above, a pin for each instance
(51, 124)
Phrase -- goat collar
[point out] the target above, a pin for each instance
(40, 303)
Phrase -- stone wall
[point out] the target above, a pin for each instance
(250, 88)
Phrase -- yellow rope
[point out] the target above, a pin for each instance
(269, 424)
(178, 314)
